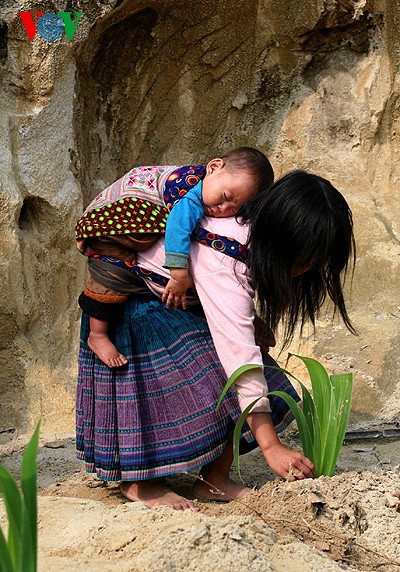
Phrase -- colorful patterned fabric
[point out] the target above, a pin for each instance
(224, 244)
(133, 214)
(134, 268)
(125, 216)
(180, 181)
(138, 202)
(145, 183)
(156, 416)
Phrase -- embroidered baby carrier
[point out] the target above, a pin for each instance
(139, 203)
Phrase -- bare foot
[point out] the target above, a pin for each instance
(105, 350)
(155, 493)
(223, 490)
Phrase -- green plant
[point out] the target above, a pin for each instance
(240, 422)
(322, 419)
(19, 552)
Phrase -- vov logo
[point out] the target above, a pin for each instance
(51, 25)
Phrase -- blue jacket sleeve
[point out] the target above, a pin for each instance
(181, 221)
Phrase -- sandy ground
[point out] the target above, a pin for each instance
(350, 521)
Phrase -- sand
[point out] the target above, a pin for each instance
(350, 521)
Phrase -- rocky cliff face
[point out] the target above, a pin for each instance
(312, 84)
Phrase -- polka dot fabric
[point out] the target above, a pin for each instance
(131, 214)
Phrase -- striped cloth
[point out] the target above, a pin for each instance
(156, 416)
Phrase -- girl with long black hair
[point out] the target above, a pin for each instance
(301, 243)
(156, 416)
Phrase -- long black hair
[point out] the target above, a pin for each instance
(301, 242)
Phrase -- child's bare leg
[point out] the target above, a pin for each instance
(102, 346)
(154, 492)
(217, 474)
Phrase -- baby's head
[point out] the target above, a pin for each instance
(233, 179)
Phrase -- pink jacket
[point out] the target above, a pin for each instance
(227, 298)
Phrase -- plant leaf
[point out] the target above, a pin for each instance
(6, 564)
(283, 370)
(13, 503)
(237, 433)
(322, 396)
(342, 386)
(313, 426)
(305, 435)
(321, 422)
(232, 378)
(28, 485)
(328, 447)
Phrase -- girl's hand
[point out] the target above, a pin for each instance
(263, 335)
(290, 465)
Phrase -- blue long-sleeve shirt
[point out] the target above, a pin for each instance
(182, 219)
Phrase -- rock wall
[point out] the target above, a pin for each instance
(313, 85)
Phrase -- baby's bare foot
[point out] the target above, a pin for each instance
(105, 350)
(223, 491)
(155, 493)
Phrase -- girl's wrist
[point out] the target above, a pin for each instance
(263, 430)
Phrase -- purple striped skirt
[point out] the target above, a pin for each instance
(156, 416)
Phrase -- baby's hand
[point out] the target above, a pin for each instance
(175, 291)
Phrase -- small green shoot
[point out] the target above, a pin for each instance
(321, 420)
(19, 552)
(240, 422)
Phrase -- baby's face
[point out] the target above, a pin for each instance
(224, 191)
